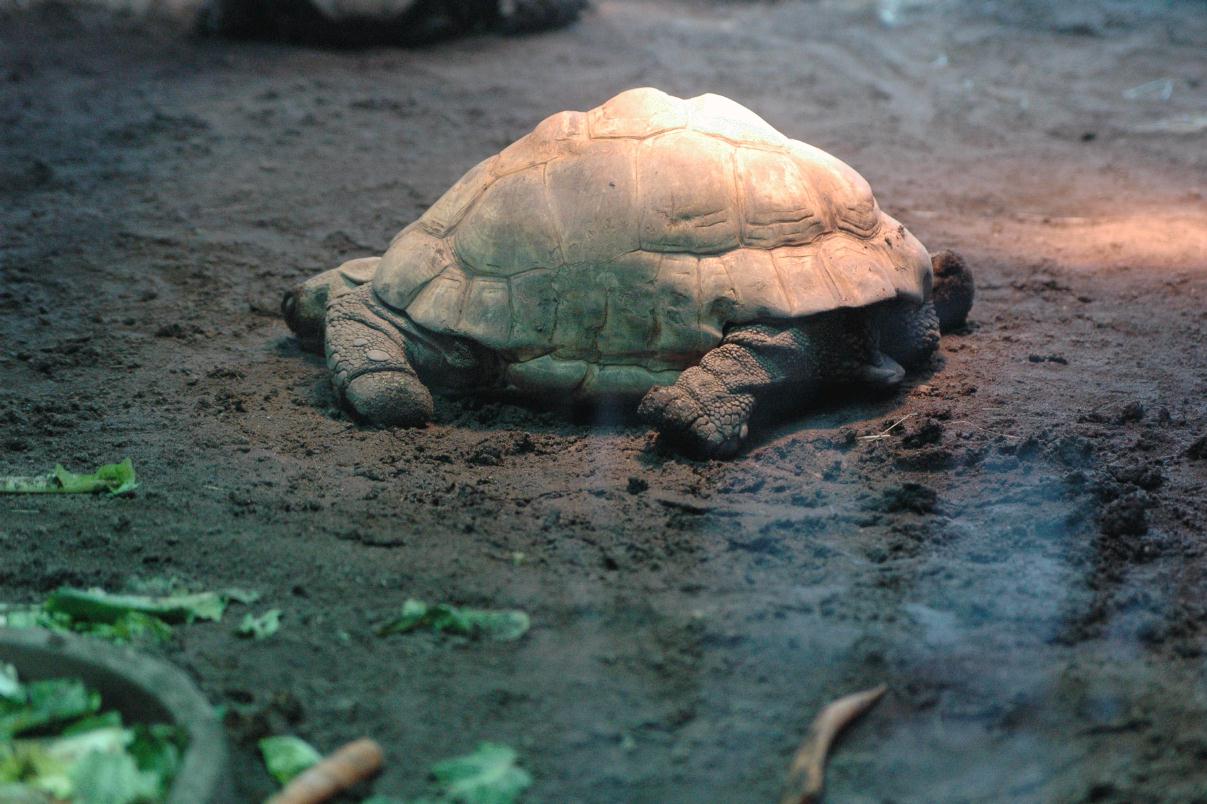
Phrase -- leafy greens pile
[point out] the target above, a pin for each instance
(58, 745)
(120, 618)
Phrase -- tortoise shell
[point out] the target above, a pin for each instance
(634, 234)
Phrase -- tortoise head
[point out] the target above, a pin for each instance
(953, 289)
(305, 306)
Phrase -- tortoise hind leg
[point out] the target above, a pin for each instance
(710, 405)
(370, 369)
(909, 333)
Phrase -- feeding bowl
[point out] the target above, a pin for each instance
(144, 690)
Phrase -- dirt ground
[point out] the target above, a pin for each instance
(1021, 559)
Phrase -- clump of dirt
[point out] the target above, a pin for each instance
(908, 497)
(1198, 450)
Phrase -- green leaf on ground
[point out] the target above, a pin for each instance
(105, 720)
(99, 606)
(260, 627)
(487, 776)
(10, 686)
(112, 778)
(286, 756)
(237, 595)
(158, 749)
(45, 702)
(121, 618)
(22, 616)
(115, 478)
(504, 626)
(130, 627)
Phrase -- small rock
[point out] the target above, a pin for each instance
(486, 455)
(1073, 451)
(1198, 450)
(913, 497)
(1131, 412)
(1126, 516)
(929, 432)
(1148, 477)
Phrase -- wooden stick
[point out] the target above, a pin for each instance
(806, 776)
(355, 762)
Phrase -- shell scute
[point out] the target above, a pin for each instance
(412, 260)
(777, 200)
(686, 194)
(629, 319)
(637, 113)
(555, 136)
(449, 209)
(677, 309)
(534, 303)
(852, 207)
(722, 117)
(547, 375)
(510, 229)
(438, 305)
(594, 201)
(581, 310)
(486, 314)
(756, 284)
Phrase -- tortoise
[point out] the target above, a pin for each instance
(351, 23)
(683, 252)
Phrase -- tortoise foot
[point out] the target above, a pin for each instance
(390, 399)
(713, 427)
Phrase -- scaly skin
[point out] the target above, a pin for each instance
(708, 408)
(370, 369)
(378, 356)
(908, 334)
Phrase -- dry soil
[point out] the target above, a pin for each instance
(1014, 542)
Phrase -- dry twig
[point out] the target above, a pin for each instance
(885, 433)
(355, 762)
(806, 776)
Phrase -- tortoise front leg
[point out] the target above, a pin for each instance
(710, 405)
(367, 357)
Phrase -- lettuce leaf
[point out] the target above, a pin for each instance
(44, 703)
(503, 626)
(99, 606)
(260, 627)
(286, 756)
(115, 478)
(487, 776)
